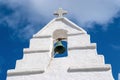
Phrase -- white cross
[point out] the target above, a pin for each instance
(60, 12)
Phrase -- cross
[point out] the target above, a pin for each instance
(60, 12)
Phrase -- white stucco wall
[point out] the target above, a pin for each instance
(82, 62)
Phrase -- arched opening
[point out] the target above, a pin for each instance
(60, 43)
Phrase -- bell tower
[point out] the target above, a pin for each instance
(61, 51)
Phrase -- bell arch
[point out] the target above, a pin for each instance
(60, 35)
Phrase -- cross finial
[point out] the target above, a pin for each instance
(60, 12)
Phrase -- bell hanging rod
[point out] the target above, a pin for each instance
(59, 39)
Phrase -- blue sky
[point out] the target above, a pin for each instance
(119, 77)
(19, 21)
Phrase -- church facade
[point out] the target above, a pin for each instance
(78, 61)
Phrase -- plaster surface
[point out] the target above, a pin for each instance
(82, 62)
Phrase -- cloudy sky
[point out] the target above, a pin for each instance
(20, 19)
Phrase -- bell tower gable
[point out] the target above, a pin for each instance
(61, 51)
(59, 23)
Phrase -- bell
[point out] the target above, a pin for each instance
(59, 48)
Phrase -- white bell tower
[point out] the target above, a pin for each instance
(80, 60)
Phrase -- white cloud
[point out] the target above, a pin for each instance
(86, 12)
(26, 32)
(116, 47)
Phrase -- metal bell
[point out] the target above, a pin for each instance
(59, 48)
